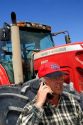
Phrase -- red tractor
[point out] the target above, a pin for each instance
(24, 46)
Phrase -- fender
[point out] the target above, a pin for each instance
(3, 76)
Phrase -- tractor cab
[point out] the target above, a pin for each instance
(33, 38)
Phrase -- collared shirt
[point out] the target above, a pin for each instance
(67, 112)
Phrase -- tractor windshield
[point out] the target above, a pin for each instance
(30, 41)
(36, 40)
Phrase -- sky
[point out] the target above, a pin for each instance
(59, 14)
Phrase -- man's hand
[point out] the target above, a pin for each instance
(42, 95)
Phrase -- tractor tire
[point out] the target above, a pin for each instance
(13, 98)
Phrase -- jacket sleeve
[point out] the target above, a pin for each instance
(79, 112)
(31, 115)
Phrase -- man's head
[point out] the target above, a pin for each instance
(52, 75)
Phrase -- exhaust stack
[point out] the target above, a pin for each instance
(16, 51)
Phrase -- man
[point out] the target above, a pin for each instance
(51, 106)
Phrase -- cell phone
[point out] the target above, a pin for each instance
(49, 95)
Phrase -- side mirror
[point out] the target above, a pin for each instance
(67, 39)
(4, 34)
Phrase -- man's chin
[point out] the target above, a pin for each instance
(58, 93)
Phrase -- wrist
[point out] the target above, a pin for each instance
(38, 105)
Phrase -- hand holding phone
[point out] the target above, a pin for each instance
(43, 94)
(49, 95)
